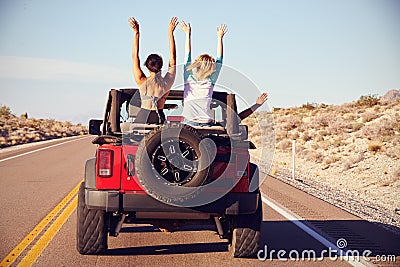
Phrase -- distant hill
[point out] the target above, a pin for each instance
(391, 95)
(20, 130)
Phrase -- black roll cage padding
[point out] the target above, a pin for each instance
(117, 97)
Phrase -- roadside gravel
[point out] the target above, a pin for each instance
(360, 191)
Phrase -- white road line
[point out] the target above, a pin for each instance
(297, 221)
(40, 149)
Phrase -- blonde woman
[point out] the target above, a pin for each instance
(200, 78)
(155, 88)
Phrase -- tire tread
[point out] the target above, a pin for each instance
(91, 228)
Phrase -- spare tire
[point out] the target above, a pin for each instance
(171, 160)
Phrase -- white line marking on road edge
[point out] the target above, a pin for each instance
(296, 220)
(40, 149)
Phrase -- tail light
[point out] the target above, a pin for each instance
(105, 159)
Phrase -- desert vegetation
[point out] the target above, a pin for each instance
(353, 147)
(16, 130)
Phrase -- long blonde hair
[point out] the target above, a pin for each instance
(204, 65)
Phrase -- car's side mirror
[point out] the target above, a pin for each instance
(94, 127)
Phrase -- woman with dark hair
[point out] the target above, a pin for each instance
(153, 89)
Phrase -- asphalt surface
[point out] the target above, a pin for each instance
(32, 185)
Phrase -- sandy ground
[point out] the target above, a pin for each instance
(369, 189)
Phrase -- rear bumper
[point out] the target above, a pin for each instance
(230, 204)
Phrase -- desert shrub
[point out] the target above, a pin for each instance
(339, 126)
(345, 109)
(290, 122)
(330, 159)
(309, 106)
(5, 111)
(306, 137)
(312, 155)
(356, 126)
(290, 111)
(369, 116)
(280, 135)
(393, 152)
(324, 145)
(337, 141)
(349, 116)
(367, 100)
(323, 133)
(349, 163)
(396, 122)
(285, 145)
(322, 120)
(294, 135)
(384, 129)
(322, 105)
(375, 146)
(318, 138)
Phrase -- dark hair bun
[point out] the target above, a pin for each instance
(154, 63)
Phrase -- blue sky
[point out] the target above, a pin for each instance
(58, 59)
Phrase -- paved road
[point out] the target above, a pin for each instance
(33, 184)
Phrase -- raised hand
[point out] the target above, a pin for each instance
(172, 24)
(221, 30)
(185, 27)
(134, 24)
(262, 98)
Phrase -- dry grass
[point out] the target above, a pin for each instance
(375, 146)
(393, 152)
(355, 146)
(284, 145)
(352, 161)
(19, 130)
(335, 134)
(369, 116)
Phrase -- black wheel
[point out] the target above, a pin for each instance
(246, 235)
(170, 162)
(92, 230)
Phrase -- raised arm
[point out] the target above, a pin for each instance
(172, 49)
(221, 30)
(188, 47)
(188, 31)
(170, 75)
(259, 102)
(137, 71)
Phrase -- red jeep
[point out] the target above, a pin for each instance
(169, 175)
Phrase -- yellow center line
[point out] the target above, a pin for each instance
(13, 255)
(45, 239)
